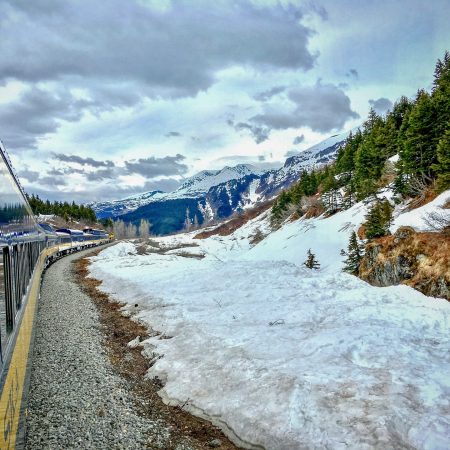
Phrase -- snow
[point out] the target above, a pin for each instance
(394, 159)
(283, 357)
(205, 180)
(252, 197)
(417, 217)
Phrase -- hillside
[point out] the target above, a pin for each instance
(323, 353)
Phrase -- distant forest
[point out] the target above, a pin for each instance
(62, 209)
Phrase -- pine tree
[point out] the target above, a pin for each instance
(419, 147)
(441, 95)
(442, 167)
(378, 219)
(354, 255)
(311, 261)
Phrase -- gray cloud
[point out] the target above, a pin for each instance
(52, 181)
(173, 134)
(110, 191)
(154, 167)
(298, 139)
(259, 133)
(322, 107)
(36, 113)
(30, 175)
(381, 105)
(290, 153)
(266, 95)
(132, 52)
(157, 49)
(352, 73)
(82, 161)
(102, 174)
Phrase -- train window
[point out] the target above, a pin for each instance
(4, 329)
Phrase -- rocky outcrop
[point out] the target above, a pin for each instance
(420, 260)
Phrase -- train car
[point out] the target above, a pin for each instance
(96, 232)
(51, 237)
(26, 248)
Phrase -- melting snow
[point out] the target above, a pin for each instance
(284, 357)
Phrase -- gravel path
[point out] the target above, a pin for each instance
(76, 400)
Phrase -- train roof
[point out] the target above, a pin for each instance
(70, 231)
(47, 227)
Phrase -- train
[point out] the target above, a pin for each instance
(26, 249)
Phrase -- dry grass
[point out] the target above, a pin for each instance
(427, 253)
(427, 196)
(362, 232)
(132, 366)
(236, 222)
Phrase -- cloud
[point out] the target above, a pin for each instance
(102, 174)
(298, 139)
(381, 105)
(53, 181)
(352, 73)
(108, 191)
(30, 175)
(290, 153)
(268, 94)
(322, 108)
(82, 161)
(259, 133)
(36, 113)
(153, 167)
(173, 134)
(163, 51)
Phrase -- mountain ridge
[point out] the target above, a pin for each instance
(217, 194)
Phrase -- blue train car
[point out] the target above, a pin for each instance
(26, 248)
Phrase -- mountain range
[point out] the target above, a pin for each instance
(217, 194)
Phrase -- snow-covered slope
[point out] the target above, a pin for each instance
(119, 207)
(304, 359)
(202, 182)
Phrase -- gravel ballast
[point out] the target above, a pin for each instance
(76, 400)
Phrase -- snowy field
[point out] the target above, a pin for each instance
(283, 357)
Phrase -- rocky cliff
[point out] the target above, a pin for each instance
(418, 259)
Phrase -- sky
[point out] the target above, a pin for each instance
(101, 100)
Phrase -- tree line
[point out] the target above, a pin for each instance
(407, 149)
(417, 130)
(68, 211)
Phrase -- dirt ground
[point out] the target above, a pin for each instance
(132, 366)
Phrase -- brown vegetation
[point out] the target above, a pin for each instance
(231, 225)
(418, 259)
(132, 366)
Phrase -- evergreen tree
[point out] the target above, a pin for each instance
(370, 156)
(311, 261)
(441, 95)
(419, 146)
(378, 219)
(354, 255)
(442, 167)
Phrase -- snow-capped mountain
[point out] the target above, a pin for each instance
(119, 207)
(195, 186)
(203, 181)
(217, 194)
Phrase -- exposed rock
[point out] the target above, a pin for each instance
(420, 260)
